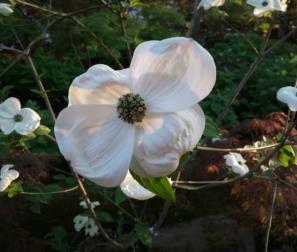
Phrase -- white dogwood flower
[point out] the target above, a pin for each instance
(80, 222)
(90, 227)
(207, 4)
(7, 175)
(237, 163)
(262, 6)
(5, 9)
(13, 117)
(132, 189)
(147, 113)
(288, 95)
(94, 204)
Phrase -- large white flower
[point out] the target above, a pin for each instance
(7, 175)
(207, 4)
(262, 6)
(132, 189)
(5, 9)
(13, 117)
(237, 163)
(148, 112)
(288, 95)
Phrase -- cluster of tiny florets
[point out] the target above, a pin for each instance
(131, 108)
(18, 118)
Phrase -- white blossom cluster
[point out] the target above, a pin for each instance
(261, 6)
(88, 223)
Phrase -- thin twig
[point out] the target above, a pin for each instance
(248, 149)
(241, 34)
(280, 41)
(124, 33)
(89, 204)
(97, 39)
(247, 75)
(53, 192)
(270, 215)
(41, 87)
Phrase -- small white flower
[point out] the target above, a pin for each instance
(93, 204)
(207, 4)
(90, 227)
(288, 95)
(262, 6)
(7, 175)
(80, 222)
(13, 117)
(237, 163)
(5, 9)
(132, 189)
(147, 113)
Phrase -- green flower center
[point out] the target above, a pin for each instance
(18, 118)
(264, 3)
(131, 108)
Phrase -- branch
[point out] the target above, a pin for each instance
(270, 215)
(247, 76)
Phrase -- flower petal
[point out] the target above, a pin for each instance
(12, 174)
(161, 139)
(30, 122)
(9, 108)
(4, 169)
(288, 95)
(172, 74)
(132, 189)
(7, 126)
(5, 9)
(98, 145)
(99, 85)
(4, 183)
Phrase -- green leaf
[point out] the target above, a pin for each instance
(159, 186)
(286, 156)
(120, 196)
(57, 239)
(185, 158)
(14, 189)
(211, 129)
(143, 234)
(104, 216)
(42, 130)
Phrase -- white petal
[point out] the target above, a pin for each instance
(288, 95)
(9, 108)
(99, 85)
(163, 138)
(206, 4)
(4, 183)
(98, 145)
(261, 10)
(132, 189)
(172, 74)
(85, 205)
(240, 169)
(90, 227)
(12, 175)
(79, 222)
(5, 169)
(7, 126)
(5, 9)
(30, 122)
